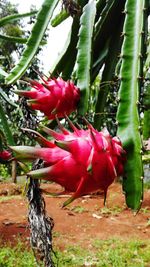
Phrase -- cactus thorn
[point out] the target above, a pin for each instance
(120, 56)
(118, 99)
(142, 177)
(123, 34)
(119, 77)
(124, 11)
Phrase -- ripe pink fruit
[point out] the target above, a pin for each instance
(82, 161)
(53, 97)
(5, 155)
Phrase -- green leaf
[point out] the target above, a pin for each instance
(84, 54)
(43, 17)
(12, 18)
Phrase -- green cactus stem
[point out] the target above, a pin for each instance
(146, 102)
(127, 114)
(43, 17)
(15, 17)
(84, 54)
(107, 75)
(146, 97)
(63, 65)
(5, 127)
(59, 18)
(104, 28)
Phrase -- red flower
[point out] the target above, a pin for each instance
(82, 161)
(53, 97)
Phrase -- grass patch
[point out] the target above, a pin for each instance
(147, 186)
(145, 210)
(6, 198)
(120, 253)
(16, 256)
(111, 211)
(78, 209)
(106, 253)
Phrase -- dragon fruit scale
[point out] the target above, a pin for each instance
(82, 161)
(54, 96)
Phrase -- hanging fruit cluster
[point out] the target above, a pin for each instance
(82, 161)
(107, 37)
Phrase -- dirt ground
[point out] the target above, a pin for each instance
(79, 223)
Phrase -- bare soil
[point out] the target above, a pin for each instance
(82, 221)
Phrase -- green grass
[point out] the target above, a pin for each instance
(111, 211)
(7, 198)
(107, 253)
(78, 209)
(16, 257)
(147, 186)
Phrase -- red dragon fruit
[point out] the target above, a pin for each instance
(82, 161)
(5, 155)
(54, 96)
